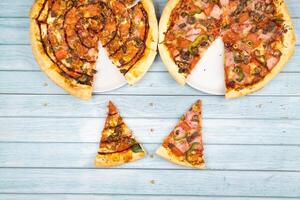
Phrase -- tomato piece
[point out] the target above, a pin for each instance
(61, 54)
(230, 37)
(183, 43)
(243, 17)
(254, 39)
(245, 68)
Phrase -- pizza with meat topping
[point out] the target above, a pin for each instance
(65, 35)
(184, 145)
(258, 36)
(117, 145)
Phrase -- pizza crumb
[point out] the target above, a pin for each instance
(45, 84)
(152, 130)
(151, 104)
(151, 156)
(152, 182)
(45, 104)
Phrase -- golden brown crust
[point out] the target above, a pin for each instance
(287, 52)
(35, 9)
(46, 64)
(163, 50)
(140, 67)
(168, 155)
(143, 64)
(115, 159)
(152, 38)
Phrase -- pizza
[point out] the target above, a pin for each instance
(258, 36)
(117, 145)
(65, 36)
(184, 144)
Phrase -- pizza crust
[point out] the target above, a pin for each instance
(168, 155)
(116, 159)
(46, 64)
(152, 38)
(143, 64)
(140, 67)
(287, 52)
(35, 9)
(163, 50)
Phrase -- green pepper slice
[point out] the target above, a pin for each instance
(197, 42)
(194, 13)
(239, 72)
(180, 137)
(191, 156)
(136, 148)
(277, 20)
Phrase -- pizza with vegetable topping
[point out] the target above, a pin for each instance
(65, 35)
(258, 36)
(117, 145)
(184, 145)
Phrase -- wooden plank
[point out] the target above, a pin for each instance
(19, 57)
(154, 83)
(216, 131)
(122, 197)
(21, 7)
(18, 30)
(163, 182)
(16, 8)
(252, 107)
(81, 155)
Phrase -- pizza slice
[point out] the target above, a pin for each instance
(65, 35)
(184, 144)
(117, 145)
(187, 28)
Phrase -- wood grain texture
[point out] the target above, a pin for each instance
(123, 197)
(48, 139)
(164, 182)
(250, 107)
(217, 131)
(81, 155)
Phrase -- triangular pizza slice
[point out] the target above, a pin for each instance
(184, 145)
(117, 145)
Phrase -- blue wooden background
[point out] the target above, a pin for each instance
(48, 139)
